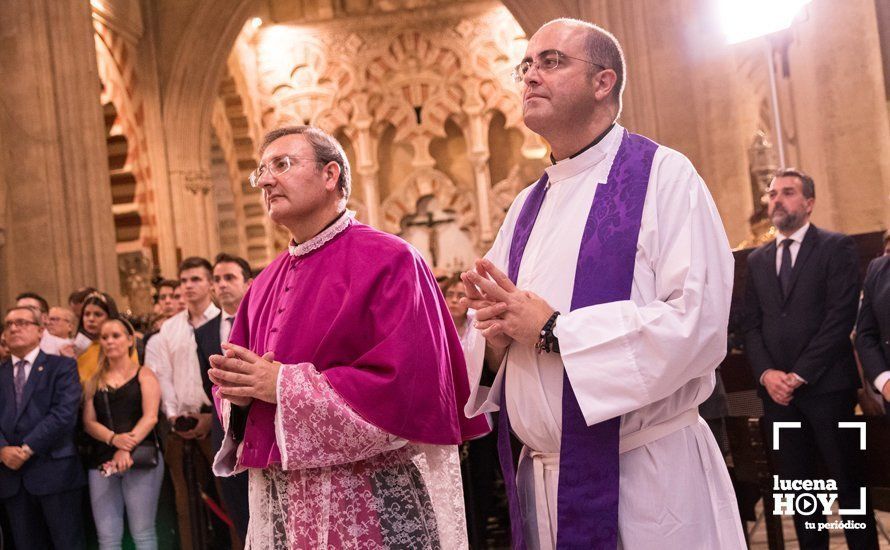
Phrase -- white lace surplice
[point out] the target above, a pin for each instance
(343, 483)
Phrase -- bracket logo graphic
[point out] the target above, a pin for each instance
(810, 496)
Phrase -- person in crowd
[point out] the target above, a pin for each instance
(97, 308)
(167, 304)
(61, 322)
(180, 299)
(350, 436)
(605, 299)
(800, 307)
(873, 325)
(75, 303)
(121, 402)
(173, 354)
(479, 467)
(41, 476)
(49, 343)
(169, 298)
(4, 349)
(231, 279)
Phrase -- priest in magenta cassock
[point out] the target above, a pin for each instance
(342, 392)
(605, 299)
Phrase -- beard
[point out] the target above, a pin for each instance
(790, 221)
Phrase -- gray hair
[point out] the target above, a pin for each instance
(34, 314)
(326, 148)
(603, 49)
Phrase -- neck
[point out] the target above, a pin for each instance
(119, 363)
(22, 352)
(567, 141)
(304, 230)
(197, 310)
(230, 309)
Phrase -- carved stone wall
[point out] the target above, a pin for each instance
(413, 97)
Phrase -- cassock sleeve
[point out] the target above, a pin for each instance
(315, 427)
(624, 355)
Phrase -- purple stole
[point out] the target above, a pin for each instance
(587, 500)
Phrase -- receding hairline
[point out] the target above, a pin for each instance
(586, 27)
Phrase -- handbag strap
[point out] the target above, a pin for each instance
(108, 410)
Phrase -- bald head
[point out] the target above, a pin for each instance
(602, 48)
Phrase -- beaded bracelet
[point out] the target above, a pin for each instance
(547, 341)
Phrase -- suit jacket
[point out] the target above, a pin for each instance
(808, 331)
(207, 338)
(873, 326)
(46, 422)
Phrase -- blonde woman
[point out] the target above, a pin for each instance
(120, 411)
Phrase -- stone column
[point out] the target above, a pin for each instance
(367, 169)
(60, 229)
(478, 155)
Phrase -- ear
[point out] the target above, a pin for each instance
(603, 83)
(331, 174)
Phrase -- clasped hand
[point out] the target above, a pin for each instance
(243, 376)
(13, 457)
(504, 313)
(780, 385)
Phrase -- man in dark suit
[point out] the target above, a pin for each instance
(873, 326)
(231, 279)
(801, 299)
(41, 477)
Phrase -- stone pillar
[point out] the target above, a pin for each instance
(367, 169)
(478, 155)
(60, 229)
(843, 132)
(191, 212)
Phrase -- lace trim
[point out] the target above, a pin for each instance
(322, 238)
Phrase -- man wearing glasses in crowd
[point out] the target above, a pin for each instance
(609, 284)
(41, 477)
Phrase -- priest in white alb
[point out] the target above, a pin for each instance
(605, 299)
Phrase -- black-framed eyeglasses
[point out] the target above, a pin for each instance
(276, 167)
(547, 60)
(19, 323)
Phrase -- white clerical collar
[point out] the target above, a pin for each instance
(797, 236)
(326, 235)
(566, 168)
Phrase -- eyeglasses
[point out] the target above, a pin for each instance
(58, 319)
(276, 167)
(19, 323)
(546, 61)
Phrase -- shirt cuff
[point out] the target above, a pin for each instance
(882, 380)
(799, 378)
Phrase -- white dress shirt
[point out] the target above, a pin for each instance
(29, 362)
(225, 327)
(173, 356)
(796, 239)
